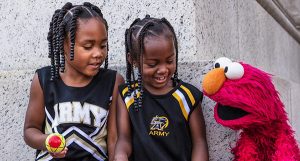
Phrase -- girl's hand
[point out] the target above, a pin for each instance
(61, 154)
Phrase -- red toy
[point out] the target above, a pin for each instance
(55, 143)
(247, 100)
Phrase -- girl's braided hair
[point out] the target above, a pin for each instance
(134, 46)
(64, 21)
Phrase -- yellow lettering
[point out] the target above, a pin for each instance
(159, 133)
(151, 133)
(167, 133)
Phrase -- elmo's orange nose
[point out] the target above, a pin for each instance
(213, 81)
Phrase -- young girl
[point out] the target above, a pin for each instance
(159, 117)
(75, 97)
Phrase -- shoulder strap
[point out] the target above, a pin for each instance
(43, 75)
(188, 98)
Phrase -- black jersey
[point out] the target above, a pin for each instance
(79, 114)
(160, 128)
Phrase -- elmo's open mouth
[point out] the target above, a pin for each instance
(230, 113)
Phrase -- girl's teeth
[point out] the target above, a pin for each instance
(161, 78)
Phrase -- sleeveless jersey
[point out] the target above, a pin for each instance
(79, 114)
(160, 128)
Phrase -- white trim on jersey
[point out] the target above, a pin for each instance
(84, 135)
(51, 119)
(70, 141)
(130, 99)
(100, 129)
(85, 148)
(182, 99)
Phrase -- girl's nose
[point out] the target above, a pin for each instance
(162, 69)
(213, 81)
(98, 53)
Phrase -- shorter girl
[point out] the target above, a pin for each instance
(74, 96)
(159, 116)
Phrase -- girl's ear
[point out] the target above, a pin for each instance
(131, 60)
(67, 47)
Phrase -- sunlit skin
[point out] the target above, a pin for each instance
(159, 64)
(90, 52)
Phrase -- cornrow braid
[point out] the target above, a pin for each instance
(64, 21)
(128, 66)
(134, 46)
(61, 34)
(175, 79)
(135, 21)
(139, 58)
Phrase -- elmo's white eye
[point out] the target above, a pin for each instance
(222, 62)
(234, 71)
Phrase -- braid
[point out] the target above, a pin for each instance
(54, 59)
(49, 38)
(141, 37)
(128, 65)
(64, 21)
(175, 79)
(140, 89)
(130, 71)
(140, 34)
(50, 54)
(134, 45)
(139, 58)
(73, 27)
(135, 21)
(54, 40)
(56, 51)
(61, 47)
(60, 38)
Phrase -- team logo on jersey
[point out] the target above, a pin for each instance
(158, 126)
(75, 112)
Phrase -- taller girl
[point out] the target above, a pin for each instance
(75, 96)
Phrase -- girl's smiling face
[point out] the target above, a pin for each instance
(158, 64)
(90, 48)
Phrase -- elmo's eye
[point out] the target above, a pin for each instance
(222, 62)
(234, 71)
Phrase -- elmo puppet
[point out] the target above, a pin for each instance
(248, 101)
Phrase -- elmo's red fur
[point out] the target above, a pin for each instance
(252, 104)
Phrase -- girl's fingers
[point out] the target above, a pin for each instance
(61, 154)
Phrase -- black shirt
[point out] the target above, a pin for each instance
(160, 129)
(79, 114)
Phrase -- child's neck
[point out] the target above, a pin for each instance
(160, 91)
(75, 80)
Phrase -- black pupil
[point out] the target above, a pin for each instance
(226, 69)
(217, 65)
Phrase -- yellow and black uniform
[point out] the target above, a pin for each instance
(160, 129)
(79, 114)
